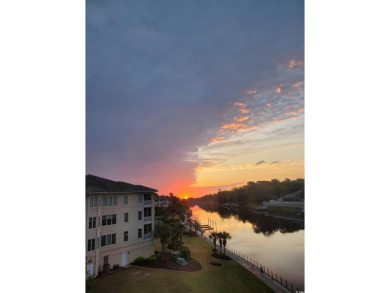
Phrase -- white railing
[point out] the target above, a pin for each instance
(148, 236)
(148, 219)
(147, 202)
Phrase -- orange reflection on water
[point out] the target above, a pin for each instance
(283, 253)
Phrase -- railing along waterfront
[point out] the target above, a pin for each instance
(257, 266)
(262, 269)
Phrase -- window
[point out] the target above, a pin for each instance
(109, 220)
(139, 215)
(139, 198)
(125, 199)
(93, 202)
(108, 239)
(126, 217)
(139, 233)
(126, 236)
(147, 197)
(148, 229)
(109, 201)
(92, 223)
(91, 244)
(147, 212)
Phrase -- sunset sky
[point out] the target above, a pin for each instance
(192, 96)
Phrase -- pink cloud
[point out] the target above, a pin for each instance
(299, 83)
(294, 63)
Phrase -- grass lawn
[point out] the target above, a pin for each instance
(231, 277)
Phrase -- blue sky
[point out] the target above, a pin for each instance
(179, 90)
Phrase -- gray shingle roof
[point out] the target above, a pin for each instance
(95, 184)
(294, 194)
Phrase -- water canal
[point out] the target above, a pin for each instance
(278, 244)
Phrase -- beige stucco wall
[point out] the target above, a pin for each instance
(134, 247)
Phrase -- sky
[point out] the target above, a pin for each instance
(190, 97)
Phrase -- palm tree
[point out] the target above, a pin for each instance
(190, 223)
(225, 236)
(214, 236)
(163, 231)
(197, 226)
(177, 229)
(219, 235)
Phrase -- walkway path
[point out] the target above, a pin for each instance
(263, 277)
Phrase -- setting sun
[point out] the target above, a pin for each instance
(185, 195)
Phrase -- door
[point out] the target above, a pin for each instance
(124, 258)
(90, 270)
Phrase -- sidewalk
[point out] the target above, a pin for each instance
(263, 277)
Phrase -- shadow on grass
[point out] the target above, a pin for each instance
(165, 263)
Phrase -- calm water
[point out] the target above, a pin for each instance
(277, 244)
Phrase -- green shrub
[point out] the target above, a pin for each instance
(185, 252)
(152, 258)
(158, 255)
(139, 259)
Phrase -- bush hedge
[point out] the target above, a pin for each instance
(139, 259)
(185, 252)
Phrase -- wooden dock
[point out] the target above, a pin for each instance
(206, 227)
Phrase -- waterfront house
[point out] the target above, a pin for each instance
(119, 223)
(162, 201)
(295, 196)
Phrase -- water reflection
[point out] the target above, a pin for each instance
(278, 244)
(267, 225)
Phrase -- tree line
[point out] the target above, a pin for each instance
(254, 192)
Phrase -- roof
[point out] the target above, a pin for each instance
(294, 194)
(95, 184)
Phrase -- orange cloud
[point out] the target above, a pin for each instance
(246, 129)
(294, 63)
(239, 104)
(234, 126)
(269, 104)
(238, 127)
(291, 113)
(301, 110)
(278, 90)
(216, 139)
(243, 111)
(298, 84)
(251, 92)
(240, 119)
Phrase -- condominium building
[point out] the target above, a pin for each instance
(162, 201)
(119, 223)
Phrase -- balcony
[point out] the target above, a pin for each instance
(147, 202)
(148, 236)
(148, 219)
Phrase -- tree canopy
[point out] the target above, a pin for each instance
(254, 192)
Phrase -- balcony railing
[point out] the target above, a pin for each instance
(148, 236)
(148, 219)
(147, 202)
